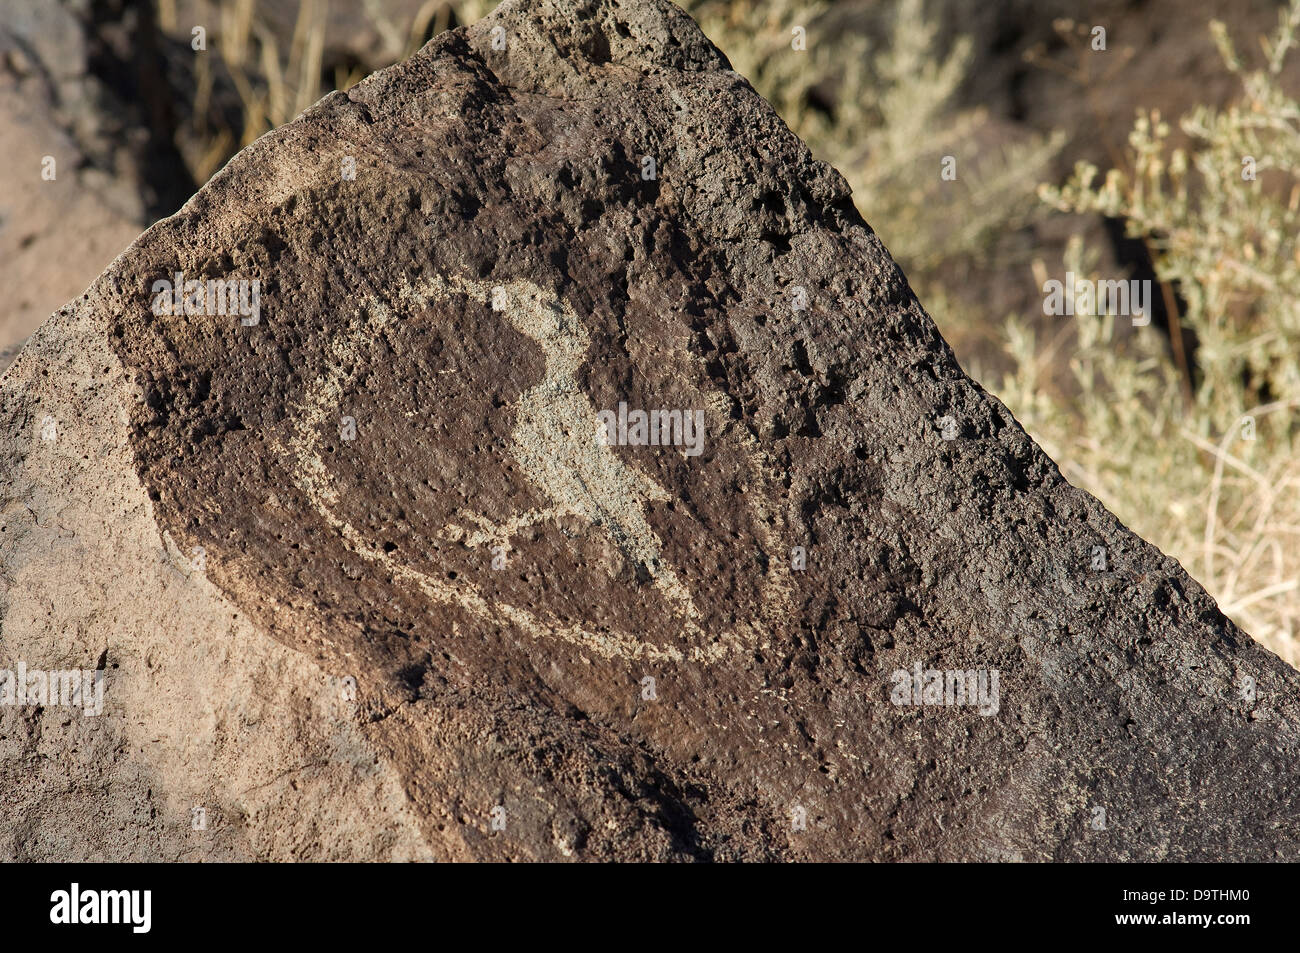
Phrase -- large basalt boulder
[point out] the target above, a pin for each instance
(376, 565)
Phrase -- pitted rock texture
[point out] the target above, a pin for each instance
(394, 479)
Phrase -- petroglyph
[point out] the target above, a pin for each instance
(320, 403)
(555, 440)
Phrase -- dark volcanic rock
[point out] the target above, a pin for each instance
(616, 649)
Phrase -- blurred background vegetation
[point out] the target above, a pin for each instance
(1127, 161)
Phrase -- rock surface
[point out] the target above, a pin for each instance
(365, 584)
(68, 196)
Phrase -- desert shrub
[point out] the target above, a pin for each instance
(1206, 468)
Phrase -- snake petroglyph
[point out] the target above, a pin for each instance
(555, 442)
